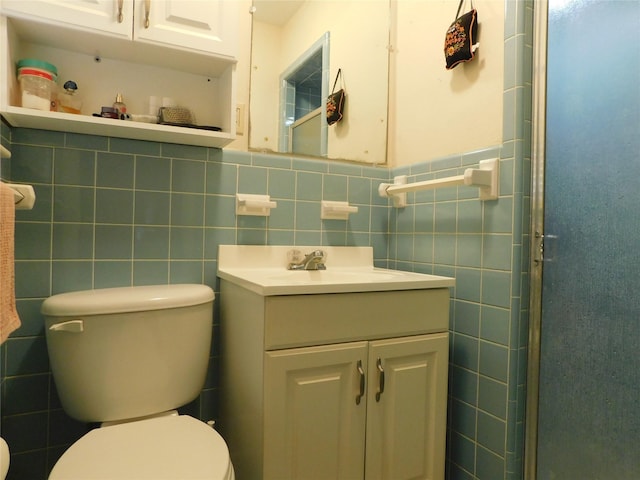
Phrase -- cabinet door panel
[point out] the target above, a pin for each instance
(208, 27)
(406, 425)
(89, 15)
(314, 429)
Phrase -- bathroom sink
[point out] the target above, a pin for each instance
(337, 275)
(263, 270)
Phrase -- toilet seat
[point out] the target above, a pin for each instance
(170, 447)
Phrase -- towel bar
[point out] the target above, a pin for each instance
(486, 177)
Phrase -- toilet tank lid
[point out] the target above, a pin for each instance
(126, 299)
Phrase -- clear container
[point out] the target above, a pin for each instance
(37, 92)
(69, 101)
(37, 79)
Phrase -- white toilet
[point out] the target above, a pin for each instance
(126, 357)
(4, 459)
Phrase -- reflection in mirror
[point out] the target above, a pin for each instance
(303, 85)
(297, 48)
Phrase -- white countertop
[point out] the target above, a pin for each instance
(263, 270)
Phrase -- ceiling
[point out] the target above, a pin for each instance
(275, 12)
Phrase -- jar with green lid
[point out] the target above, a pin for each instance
(34, 66)
(37, 80)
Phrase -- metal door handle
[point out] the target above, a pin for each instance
(147, 11)
(380, 379)
(361, 373)
(120, 15)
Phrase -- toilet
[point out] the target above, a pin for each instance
(126, 358)
(5, 458)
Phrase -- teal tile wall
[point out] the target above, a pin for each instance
(450, 232)
(114, 212)
(485, 246)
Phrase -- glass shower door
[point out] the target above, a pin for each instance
(589, 402)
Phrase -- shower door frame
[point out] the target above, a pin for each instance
(538, 142)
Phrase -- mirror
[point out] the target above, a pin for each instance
(297, 48)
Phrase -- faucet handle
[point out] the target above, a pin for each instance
(319, 255)
(295, 256)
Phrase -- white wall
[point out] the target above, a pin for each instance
(242, 71)
(436, 112)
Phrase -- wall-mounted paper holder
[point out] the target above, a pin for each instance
(336, 210)
(23, 195)
(487, 177)
(256, 205)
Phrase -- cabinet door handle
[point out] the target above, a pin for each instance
(380, 379)
(361, 373)
(120, 15)
(147, 11)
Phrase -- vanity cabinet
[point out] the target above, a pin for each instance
(319, 423)
(185, 51)
(342, 385)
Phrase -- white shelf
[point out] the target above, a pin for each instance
(66, 122)
(102, 66)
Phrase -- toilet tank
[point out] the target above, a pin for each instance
(122, 353)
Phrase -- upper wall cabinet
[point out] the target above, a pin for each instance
(200, 26)
(194, 24)
(174, 49)
(108, 16)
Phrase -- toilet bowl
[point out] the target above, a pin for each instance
(167, 447)
(127, 358)
(4, 458)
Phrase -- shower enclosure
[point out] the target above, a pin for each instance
(584, 378)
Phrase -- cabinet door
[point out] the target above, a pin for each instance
(314, 414)
(208, 27)
(406, 408)
(110, 16)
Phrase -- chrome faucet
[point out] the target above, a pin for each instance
(311, 261)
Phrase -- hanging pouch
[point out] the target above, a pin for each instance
(461, 40)
(335, 102)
